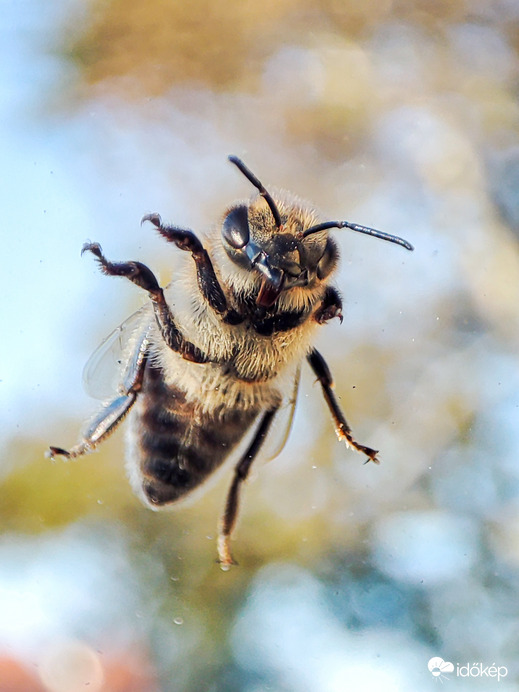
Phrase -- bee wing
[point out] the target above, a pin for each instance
(115, 361)
(283, 420)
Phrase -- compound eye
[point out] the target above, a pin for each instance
(235, 230)
(328, 261)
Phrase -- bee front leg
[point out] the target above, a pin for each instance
(343, 430)
(139, 274)
(208, 282)
(241, 471)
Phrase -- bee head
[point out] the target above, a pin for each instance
(268, 238)
(282, 242)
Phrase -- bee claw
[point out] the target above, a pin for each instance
(155, 219)
(54, 452)
(328, 314)
(226, 566)
(345, 436)
(94, 248)
(225, 558)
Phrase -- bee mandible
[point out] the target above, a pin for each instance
(217, 353)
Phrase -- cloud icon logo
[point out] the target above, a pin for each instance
(438, 666)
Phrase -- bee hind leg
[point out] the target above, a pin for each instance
(343, 430)
(99, 428)
(241, 471)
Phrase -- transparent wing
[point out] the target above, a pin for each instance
(114, 362)
(283, 420)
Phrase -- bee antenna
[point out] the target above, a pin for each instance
(360, 229)
(259, 186)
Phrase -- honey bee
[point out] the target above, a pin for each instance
(217, 353)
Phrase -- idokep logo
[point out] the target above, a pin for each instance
(478, 670)
(440, 668)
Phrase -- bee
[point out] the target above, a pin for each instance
(216, 355)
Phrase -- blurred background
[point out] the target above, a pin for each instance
(397, 114)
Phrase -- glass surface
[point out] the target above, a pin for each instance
(401, 116)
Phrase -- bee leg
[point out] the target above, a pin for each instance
(111, 414)
(208, 282)
(99, 428)
(241, 471)
(142, 276)
(330, 307)
(343, 430)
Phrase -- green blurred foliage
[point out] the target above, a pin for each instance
(58, 492)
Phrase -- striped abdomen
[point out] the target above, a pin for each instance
(175, 448)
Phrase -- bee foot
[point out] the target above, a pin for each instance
(94, 248)
(54, 452)
(346, 437)
(225, 558)
(72, 453)
(328, 313)
(372, 455)
(154, 218)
